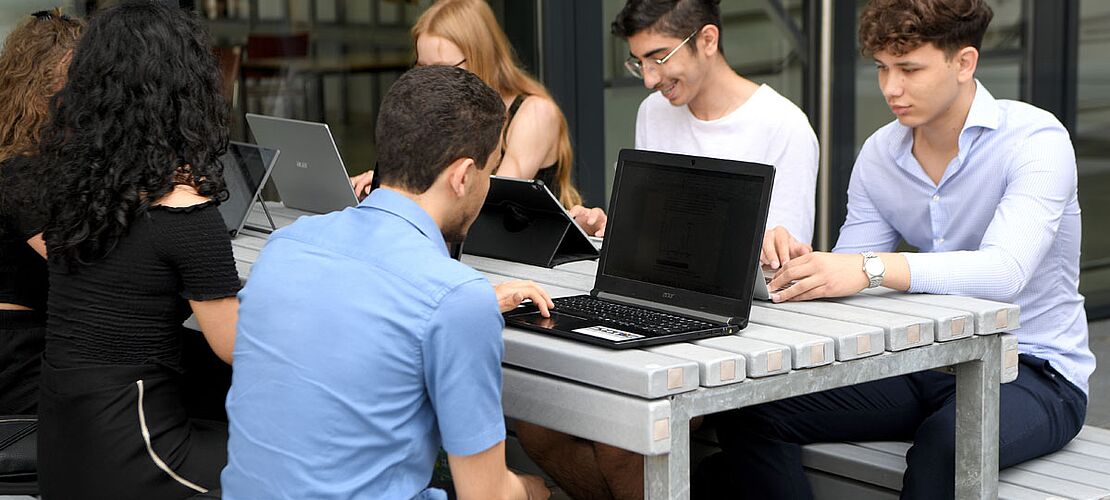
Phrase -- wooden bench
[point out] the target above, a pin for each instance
(872, 471)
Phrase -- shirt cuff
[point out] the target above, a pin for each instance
(927, 273)
(476, 442)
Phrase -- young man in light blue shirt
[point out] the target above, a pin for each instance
(986, 189)
(362, 347)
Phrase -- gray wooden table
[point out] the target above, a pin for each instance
(643, 400)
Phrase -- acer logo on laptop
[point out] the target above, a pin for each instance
(668, 295)
(302, 164)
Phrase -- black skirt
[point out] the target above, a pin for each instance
(122, 432)
(21, 343)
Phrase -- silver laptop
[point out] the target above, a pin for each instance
(309, 175)
(246, 169)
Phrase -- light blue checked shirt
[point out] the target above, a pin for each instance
(1002, 225)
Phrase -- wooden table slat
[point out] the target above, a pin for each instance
(950, 323)
(807, 350)
(852, 340)
(900, 331)
(990, 316)
(764, 358)
(631, 371)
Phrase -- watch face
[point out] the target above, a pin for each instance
(873, 266)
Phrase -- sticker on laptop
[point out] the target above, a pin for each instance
(604, 332)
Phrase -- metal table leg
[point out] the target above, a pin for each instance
(977, 384)
(668, 476)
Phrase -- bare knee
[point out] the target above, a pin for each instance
(623, 471)
(539, 441)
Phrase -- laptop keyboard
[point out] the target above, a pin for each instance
(641, 319)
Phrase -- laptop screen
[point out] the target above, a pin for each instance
(245, 170)
(684, 228)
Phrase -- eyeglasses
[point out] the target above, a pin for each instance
(49, 14)
(634, 66)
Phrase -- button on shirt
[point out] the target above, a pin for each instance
(361, 348)
(1003, 224)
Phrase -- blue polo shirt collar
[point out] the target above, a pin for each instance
(388, 200)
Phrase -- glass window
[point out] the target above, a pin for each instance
(1092, 148)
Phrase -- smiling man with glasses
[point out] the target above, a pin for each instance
(702, 108)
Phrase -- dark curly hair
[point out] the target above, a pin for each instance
(140, 113)
(901, 26)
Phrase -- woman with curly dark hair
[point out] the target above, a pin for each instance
(32, 68)
(135, 243)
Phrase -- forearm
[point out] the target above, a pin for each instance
(990, 274)
(897, 274)
(509, 487)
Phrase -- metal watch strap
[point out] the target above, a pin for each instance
(873, 280)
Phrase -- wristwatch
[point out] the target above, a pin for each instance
(874, 268)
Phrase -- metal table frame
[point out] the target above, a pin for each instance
(976, 359)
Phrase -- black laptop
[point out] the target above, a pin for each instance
(246, 169)
(681, 248)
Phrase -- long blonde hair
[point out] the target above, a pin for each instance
(471, 26)
(32, 68)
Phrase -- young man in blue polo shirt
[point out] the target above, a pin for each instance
(986, 190)
(362, 347)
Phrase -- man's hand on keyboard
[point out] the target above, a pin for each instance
(779, 246)
(511, 293)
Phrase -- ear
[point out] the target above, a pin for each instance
(709, 38)
(456, 173)
(968, 60)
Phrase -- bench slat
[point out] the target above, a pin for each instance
(990, 316)
(851, 340)
(1077, 460)
(900, 331)
(950, 323)
(635, 372)
(1095, 435)
(1051, 485)
(807, 350)
(763, 358)
(1080, 470)
(715, 367)
(855, 462)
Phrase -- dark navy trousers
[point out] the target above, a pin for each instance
(1039, 413)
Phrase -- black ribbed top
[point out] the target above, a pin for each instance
(127, 308)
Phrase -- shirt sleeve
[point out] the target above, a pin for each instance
(462, 368)
(793, 198)
(865, 229)
(641, 125)
(196, 243)
(1039, 188)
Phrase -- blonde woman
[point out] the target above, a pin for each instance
(535, 142)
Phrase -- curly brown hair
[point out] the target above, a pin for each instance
(32, 69)
(901, 26)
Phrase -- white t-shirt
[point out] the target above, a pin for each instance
(768, 129)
